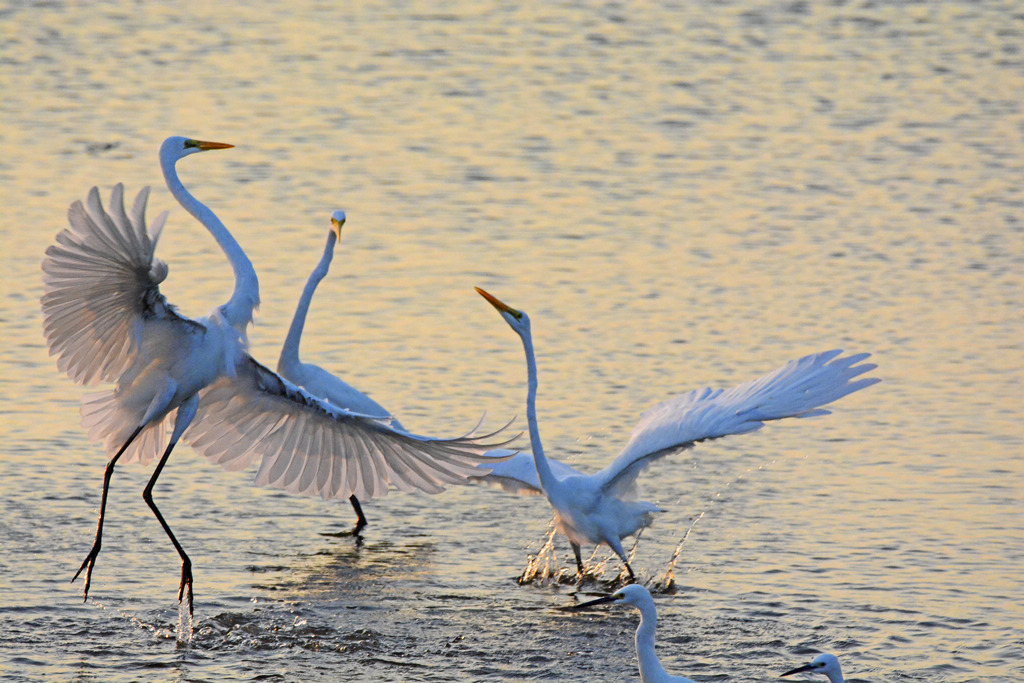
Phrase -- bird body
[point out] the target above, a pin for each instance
(651, 670)
(159, 383)
(602, 508)
(323, 384)
(824, 664)
(587, 516)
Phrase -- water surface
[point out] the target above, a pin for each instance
(680, 195)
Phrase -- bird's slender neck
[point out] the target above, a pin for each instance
(651, 669)
(290, 350)
(547, 478)
(238, 311)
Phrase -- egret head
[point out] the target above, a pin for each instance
(337, 220)
(177, 147)
(633, 594)
(517, 320)
(824, 664)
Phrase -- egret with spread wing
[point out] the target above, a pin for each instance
(105, 319)
(651, 670)
(322, 383)
(599, 508)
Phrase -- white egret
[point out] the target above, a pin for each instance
(600, 508)
(824, 664)
(322, 383)
(651, 670)
(105, 319)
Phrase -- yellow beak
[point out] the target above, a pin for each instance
(497, 303)
(336, 227)
(203, 145)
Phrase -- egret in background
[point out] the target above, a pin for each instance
(322, 383)
(824, 664)
(651, 670)
(106, 320)
(601, 507)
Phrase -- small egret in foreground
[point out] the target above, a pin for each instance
(601, 507)
(651, 670)
(324, 385)
(824, 664)
(105, 318)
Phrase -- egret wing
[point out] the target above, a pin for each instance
(518, 474)
(307, 446)
(102, 307)
(798, 389)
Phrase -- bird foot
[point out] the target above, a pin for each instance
(355, 532)
(87, 565)
(185, 587)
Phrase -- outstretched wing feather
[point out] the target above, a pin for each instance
(307, 446)
(100, 290)
(798, 389)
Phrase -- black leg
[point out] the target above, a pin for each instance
(186, 563)
(579, 558)
(360, 517)
(90, 559)
(617, 547)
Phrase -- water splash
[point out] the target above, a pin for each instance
(668, 581)
(544, 568)
(158, 631)
(185, 631)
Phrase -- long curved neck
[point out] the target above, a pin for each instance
(547, 477)
(246, 296)
(290, 350)
(651, 669)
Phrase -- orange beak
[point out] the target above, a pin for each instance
(336, 226)
(498, 304)
(203, 145)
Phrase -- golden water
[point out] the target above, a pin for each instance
(681, 195)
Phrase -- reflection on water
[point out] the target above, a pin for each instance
(680, 195)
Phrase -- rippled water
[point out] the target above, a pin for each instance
(681, 195)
